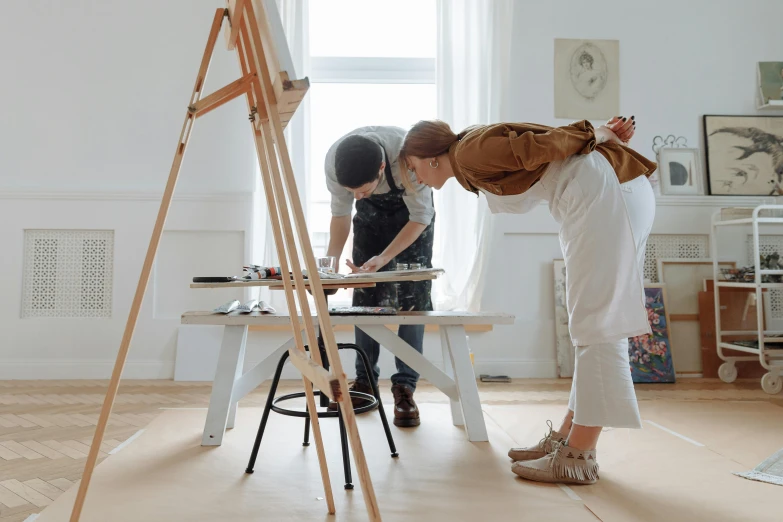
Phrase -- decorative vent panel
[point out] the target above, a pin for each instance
(68, 273)
(666, 246)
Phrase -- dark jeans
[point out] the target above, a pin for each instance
(413, 334)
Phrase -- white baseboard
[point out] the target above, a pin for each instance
(56, 369)
(517, 369)
(513, 369)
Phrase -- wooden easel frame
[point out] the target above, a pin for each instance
(272, 98)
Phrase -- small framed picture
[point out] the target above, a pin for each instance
(680, 172)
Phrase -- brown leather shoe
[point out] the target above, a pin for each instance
(406, 413)
(356, 401)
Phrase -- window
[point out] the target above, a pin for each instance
(372, 63)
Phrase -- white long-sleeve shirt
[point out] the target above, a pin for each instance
(390, 139)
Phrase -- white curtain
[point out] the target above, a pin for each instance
(293, 14)
(474, 46)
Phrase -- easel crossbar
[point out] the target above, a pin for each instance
(223, 95)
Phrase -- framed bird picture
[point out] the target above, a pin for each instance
(744, 155)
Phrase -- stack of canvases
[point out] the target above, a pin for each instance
(681, 310)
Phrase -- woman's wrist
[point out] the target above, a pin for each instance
(601, 135)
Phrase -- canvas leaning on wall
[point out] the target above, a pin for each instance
(650, 356)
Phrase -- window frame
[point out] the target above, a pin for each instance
(363, 70)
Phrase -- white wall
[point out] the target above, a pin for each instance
(678, 59)
(96, 92)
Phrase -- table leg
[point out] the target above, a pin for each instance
(466, 383)
(229, 369)
(456, 410)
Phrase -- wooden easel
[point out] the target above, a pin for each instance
(272, 99)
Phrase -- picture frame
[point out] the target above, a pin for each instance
(684, 280)
(650, 356)
(680, 172)
(770, 79)
(744, 156)
(564, 346)
(586, 78)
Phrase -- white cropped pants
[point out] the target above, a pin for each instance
(604, 227)
(604, 230)
(605, 296)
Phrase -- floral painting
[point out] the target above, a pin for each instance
(650, 355)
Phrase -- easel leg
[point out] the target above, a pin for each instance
(251, 38)
(266, 159)
(229, 369)
(152, 249)
(448, 368)
(466, 384)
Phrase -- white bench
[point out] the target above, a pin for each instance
(458, 382)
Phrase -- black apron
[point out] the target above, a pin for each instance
(378, 220)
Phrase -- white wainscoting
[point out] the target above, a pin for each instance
(204, 234)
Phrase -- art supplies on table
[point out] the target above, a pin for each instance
(216, 279)
(247, 307)
(227, 308)
(362, 310)
(326, 275)
(391, 274)
(254, 272)
(250, 273)
(251, 306)
(264, 308)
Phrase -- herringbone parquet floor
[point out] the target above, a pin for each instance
(46, 427)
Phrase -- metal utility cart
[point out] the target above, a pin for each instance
(770, 358)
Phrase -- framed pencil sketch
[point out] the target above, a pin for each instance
(565, 348)
(680, 172)
(744, 155)
(587, 78)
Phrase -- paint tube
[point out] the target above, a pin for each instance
(260, 272)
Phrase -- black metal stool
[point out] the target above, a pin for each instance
(372, 402)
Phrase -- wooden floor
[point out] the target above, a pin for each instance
(46, 427)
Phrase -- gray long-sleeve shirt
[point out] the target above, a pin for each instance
(390, 138)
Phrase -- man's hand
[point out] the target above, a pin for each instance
(372, 265)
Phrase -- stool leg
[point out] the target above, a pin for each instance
(307, 428)
(346, 457)
(377, 394)
(324, 399)
(265, 417)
